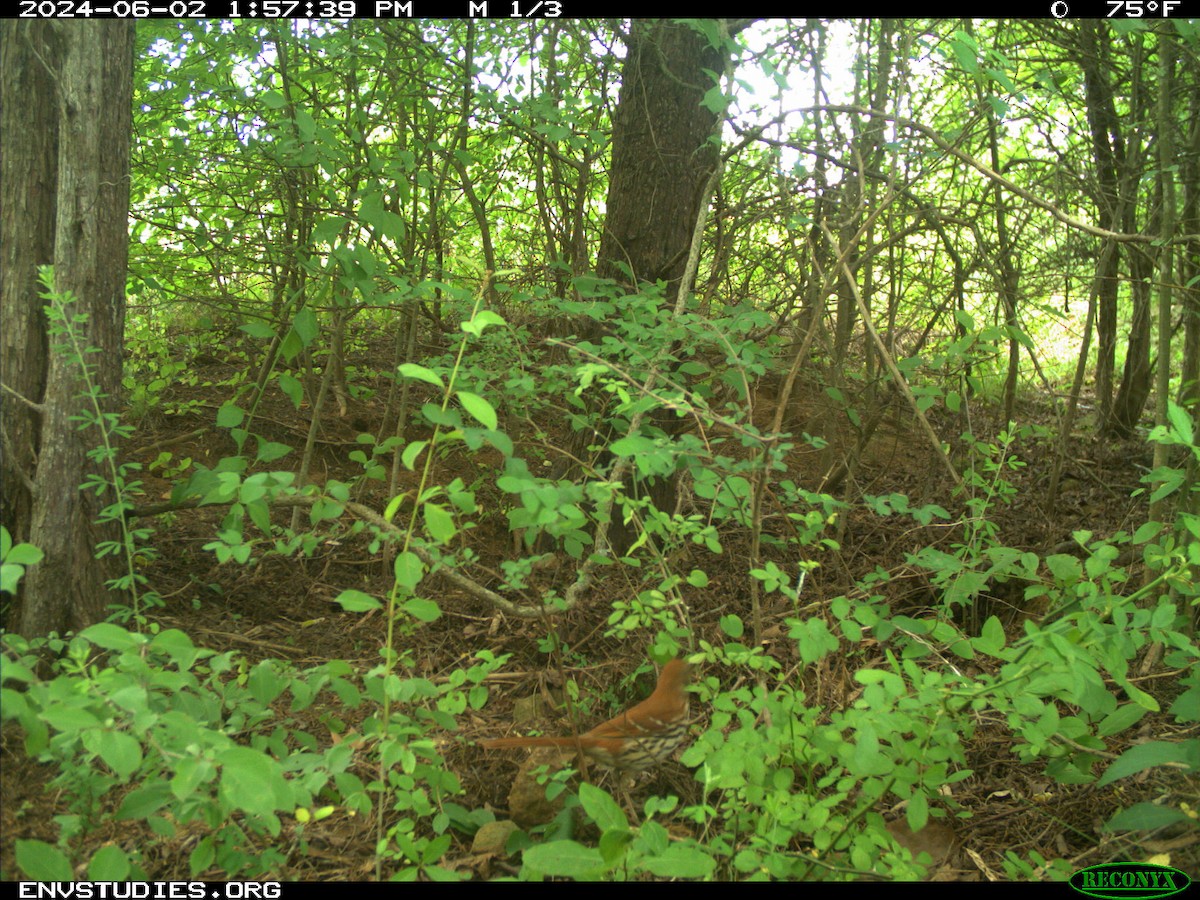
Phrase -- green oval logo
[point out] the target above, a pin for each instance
(1120, 881)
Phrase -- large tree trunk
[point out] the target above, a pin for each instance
(662, 158)
(86, 105)
(29, 53)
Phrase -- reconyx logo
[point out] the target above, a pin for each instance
(1122, 881)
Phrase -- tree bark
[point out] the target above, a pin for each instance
(90, 86)
(1136, 380)
(1189, 271)
(1108, 148)
(662, 158)
(29, 54)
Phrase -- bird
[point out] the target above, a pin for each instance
(639, 738)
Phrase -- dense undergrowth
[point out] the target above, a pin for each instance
(793, 779)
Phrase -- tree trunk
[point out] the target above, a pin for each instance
(662, 159)
(1108, 149)
(1189, 271)
(1136, 380)
(1135, 384)
(86, 104)
(29, 54)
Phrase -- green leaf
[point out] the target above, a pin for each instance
(265, 683)
(851, 630)
(306, 125)
(356, 601)
(500, 441)
(109, 863)
(179, 647)
(966, 51)
(145, 801)
(408, 570)
(230, 416)
(1186, 707)
(252, 781)
(917, 813)
(991, 637)
(1140, 697)
(269, 451)
(43, 862)
(422, 610)
(383, 221)
(715, 100)
(292, 389)
(1146, 817)
(732, 626)
(68, 719)
(260, 515)
(260, 330)
(447, 418)
(564, 859)
(412, 370)
(631, 445)
(1001, 78)
(23, 554)
(393, 506)
(602, 808)
(1150, 754)
(190, 773)
(120, 751)
(481, 321)
(1124, 716)
(111, 637)
(328, 228)
(438, 522)
(479, 409)
(306, 326)
(10, 577)
(813, 639)
(203, 856)
(1064, 568)
(1181, 422)
(411, 452)
(680, 861)
(291, 345)
(614, 844)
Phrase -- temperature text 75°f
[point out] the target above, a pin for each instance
(1137, 9)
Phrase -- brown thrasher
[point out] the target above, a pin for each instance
(639, 738)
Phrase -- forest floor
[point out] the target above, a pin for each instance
(284, 608)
